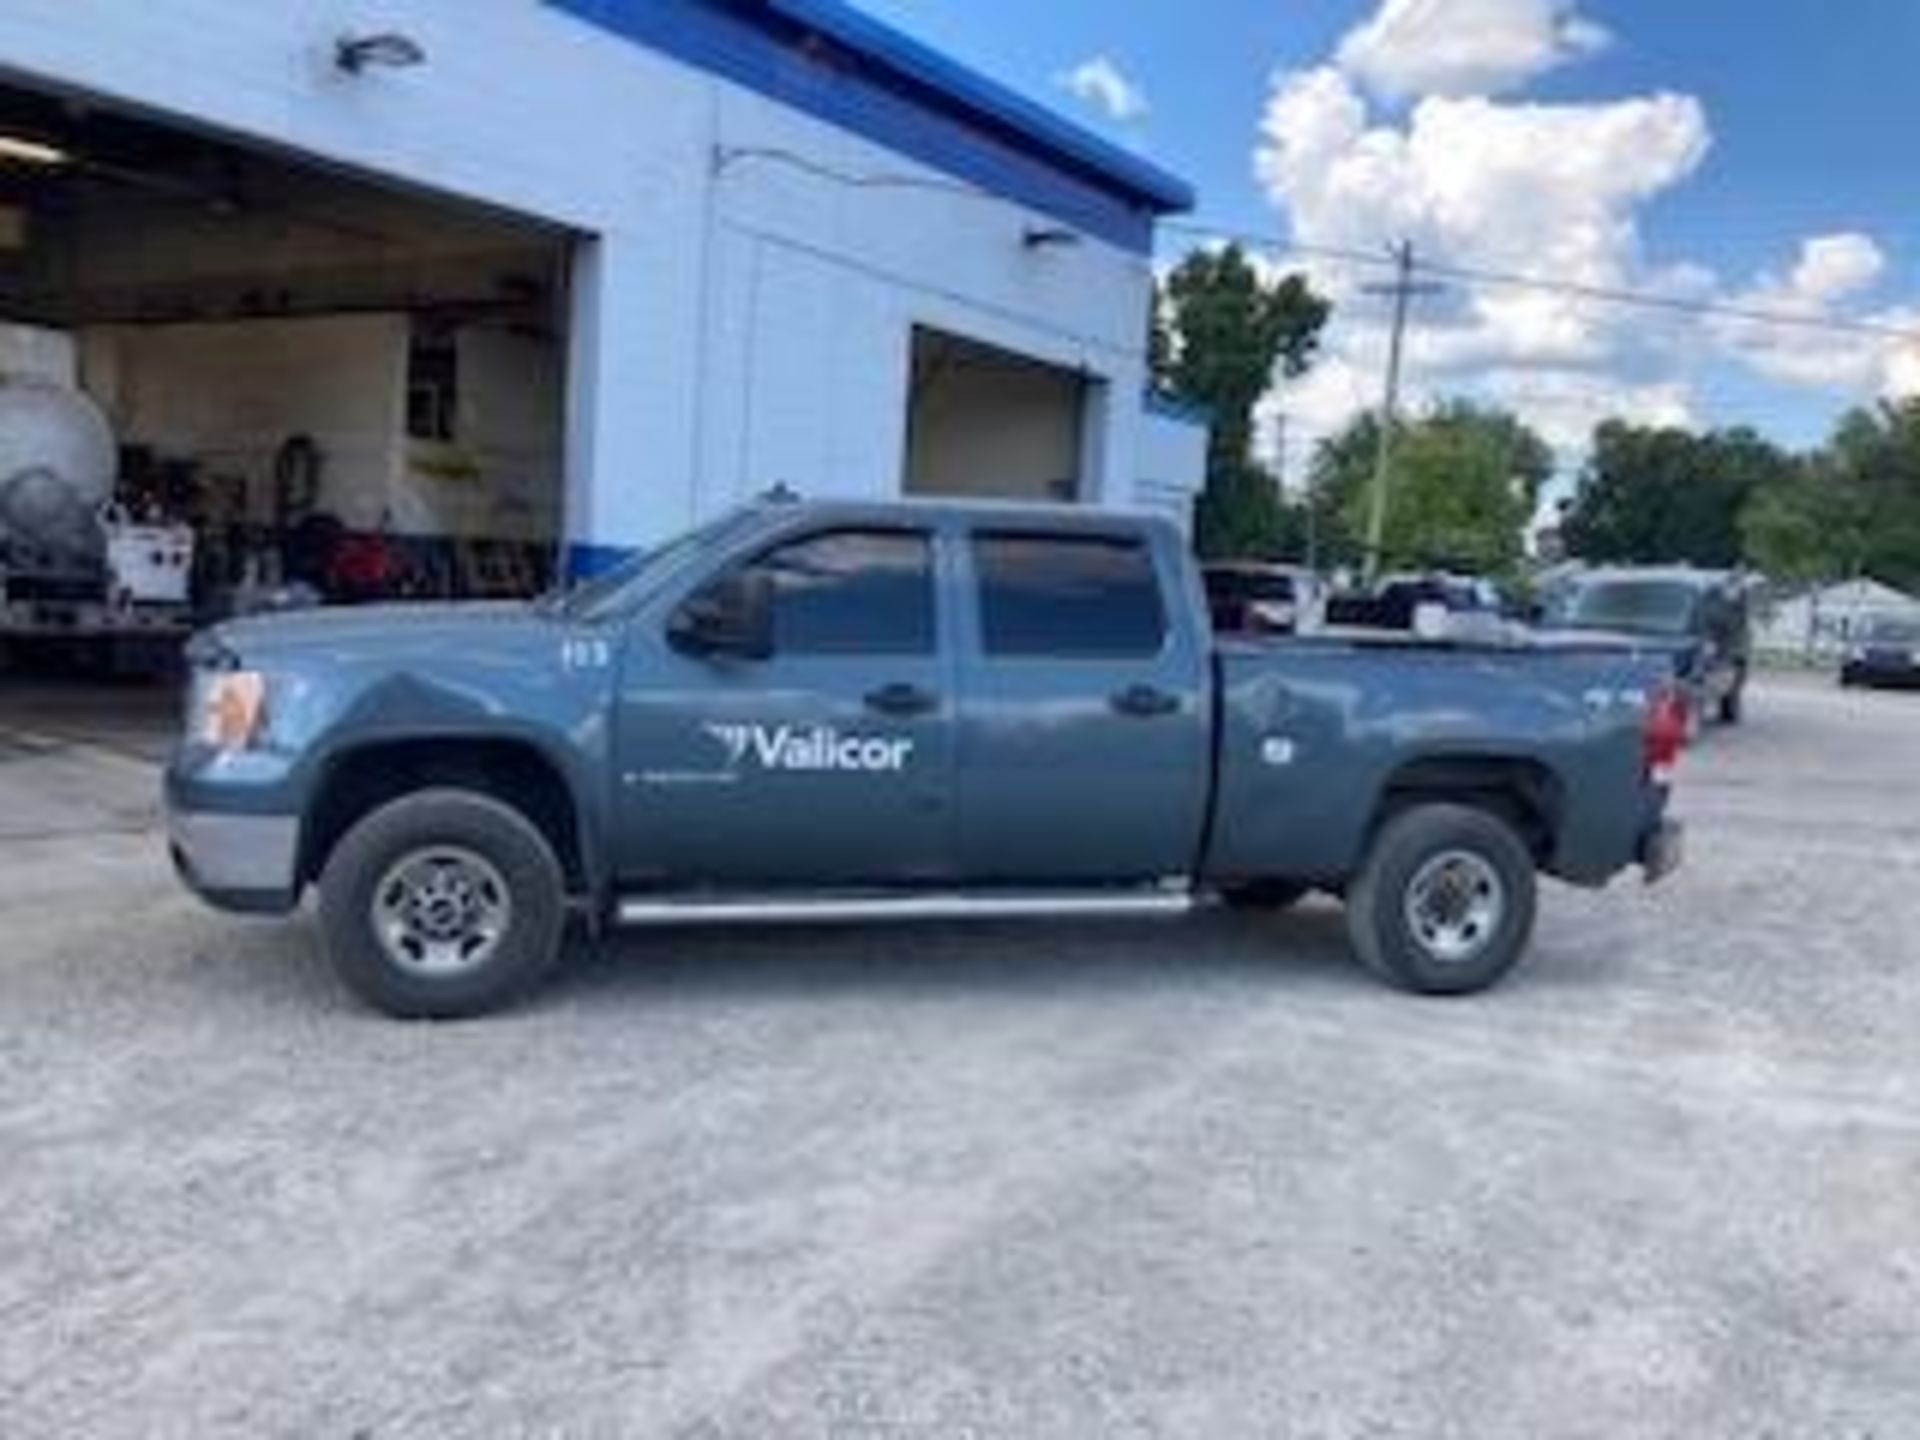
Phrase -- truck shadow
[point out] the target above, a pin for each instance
(1306, 948)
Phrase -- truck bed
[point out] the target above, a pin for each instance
(1308, 724)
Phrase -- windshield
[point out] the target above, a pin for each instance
(1890, 630)
(1646, 607)
(594, 597)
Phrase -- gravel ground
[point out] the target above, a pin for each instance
(1200, 1179)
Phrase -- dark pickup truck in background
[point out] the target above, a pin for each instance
(1698, 619)
(851, 712)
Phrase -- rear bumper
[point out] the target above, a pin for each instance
(1662, 850)
(236, 862)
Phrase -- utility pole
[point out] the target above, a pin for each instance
(1403, 288)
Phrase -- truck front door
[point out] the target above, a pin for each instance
(1085, 732)
(828, 761)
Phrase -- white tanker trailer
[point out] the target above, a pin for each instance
(73, 564)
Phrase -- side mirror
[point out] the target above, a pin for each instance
(731, 616)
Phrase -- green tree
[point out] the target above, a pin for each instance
(1800, 527)
(1667, 495)
(1221, 334)
(1866, 483)
(1463, 488)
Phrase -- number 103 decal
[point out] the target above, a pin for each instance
(583, 653)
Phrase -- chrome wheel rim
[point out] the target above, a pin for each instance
(441, 911)
(1454, 905)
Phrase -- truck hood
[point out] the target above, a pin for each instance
(1572, 637)
(348, 631)
(1680, 652)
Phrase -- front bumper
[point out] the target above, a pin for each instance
(1662, 850)
(237, 862)
(1893, 673)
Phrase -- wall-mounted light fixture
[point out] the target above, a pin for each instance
(25, 151)
(355, 53)
(1050, 237)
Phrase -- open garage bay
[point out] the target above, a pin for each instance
(1203, 1179)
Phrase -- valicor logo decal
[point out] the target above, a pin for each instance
(809, 748)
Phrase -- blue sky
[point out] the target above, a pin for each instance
(1745, 153)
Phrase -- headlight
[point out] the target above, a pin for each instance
(1856, 654)
(228, 708)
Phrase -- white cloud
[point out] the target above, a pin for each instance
(1101, 83)
(1538, 187)
(1519, 188)
(1833, 266)
(1531, 188)
(1566, 405)
(1466, 47)
(1828, 270)
(1901, 375)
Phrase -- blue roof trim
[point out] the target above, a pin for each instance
(1166, 194)
(1169, 407)
(830, 61)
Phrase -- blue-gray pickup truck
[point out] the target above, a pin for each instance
(840, 712)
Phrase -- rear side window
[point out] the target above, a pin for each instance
(853, 592)
(1068, 596)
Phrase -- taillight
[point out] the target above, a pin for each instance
(1666, 734)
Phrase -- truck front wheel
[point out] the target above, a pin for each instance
(442, 904)
(1444, 902)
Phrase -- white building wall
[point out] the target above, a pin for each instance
(1822, 623)
(737, 323)
(1172, 464)
(229, 392)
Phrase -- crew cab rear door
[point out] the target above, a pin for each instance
(828, 761)
(1084, 722)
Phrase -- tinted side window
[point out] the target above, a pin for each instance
(852, 592)
(1068, 596)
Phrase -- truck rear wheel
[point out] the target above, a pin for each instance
(442, 904)
(1444, 903)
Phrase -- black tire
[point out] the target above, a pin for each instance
(439, 822)
(1386, 941)
(1264, 894)
(1733, 704)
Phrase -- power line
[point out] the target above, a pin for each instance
(726, 157)
(1573, 289)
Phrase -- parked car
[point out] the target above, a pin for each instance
(1698, 618)
(1884, 652)
(1398, 601)
(855, 712)
(1248, 597)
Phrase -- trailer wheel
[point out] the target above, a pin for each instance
(1444, 903)
(442, 904)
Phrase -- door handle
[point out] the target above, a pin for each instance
(901, 699)
(1143, 702)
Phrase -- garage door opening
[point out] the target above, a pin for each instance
(990, 423)
(229, 374)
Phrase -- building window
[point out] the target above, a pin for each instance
(433, 383)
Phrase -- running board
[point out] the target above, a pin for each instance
(865, 909)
